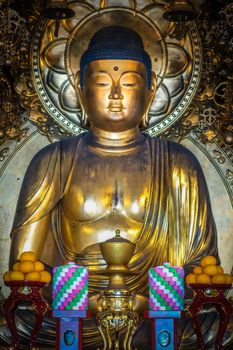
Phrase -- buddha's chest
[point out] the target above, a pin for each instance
(115, 186)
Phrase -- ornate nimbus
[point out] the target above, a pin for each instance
(177, 63)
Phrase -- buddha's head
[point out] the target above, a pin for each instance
(115, 84)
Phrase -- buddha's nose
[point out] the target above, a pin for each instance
(115, 93)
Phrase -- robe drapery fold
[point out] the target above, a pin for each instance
(178, 225)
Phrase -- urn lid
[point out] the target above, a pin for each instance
(117, 250)
(118, 238)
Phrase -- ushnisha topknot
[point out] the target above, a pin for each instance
(116, 42)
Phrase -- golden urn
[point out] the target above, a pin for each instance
(117, 301)
(117, 252)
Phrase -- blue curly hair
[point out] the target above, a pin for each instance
(116, 42)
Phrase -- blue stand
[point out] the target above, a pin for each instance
(164, 329)
(69, 329)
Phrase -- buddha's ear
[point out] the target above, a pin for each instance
(153, 88)
(77, 86)
(79, 94)
(151, 95)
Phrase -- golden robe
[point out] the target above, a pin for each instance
(178, 225)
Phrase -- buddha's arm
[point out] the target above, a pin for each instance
(203, 239)
(30, 238)
(193, 223)
(41, 190)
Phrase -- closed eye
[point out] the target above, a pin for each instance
(128, 84)
(130, 79)
(102, 84)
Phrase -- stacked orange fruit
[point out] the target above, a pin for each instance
(27, 268)
(208, 272)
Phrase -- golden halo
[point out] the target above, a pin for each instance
(80, 36)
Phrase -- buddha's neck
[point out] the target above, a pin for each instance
(114, 142)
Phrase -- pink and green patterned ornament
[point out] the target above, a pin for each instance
(70, 287)
(166, 288)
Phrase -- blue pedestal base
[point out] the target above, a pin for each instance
(164, 329)
(69, 329)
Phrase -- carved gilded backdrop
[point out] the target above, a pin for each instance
(193, 104)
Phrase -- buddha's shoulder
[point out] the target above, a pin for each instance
(178, 154)
(63, 149)
(67, 145)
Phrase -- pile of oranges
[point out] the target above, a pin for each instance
(28, 269)
(208, 272)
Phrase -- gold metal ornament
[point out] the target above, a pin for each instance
(57, 9)
(180, 11)
(11, 120)
(117, 301)
(104, 3)
(14, 38)
(117, 252)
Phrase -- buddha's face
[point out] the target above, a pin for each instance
(115, 96)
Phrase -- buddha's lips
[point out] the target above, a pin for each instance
(115, 107)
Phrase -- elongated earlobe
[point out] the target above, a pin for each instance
(151, 96)
(79, 94)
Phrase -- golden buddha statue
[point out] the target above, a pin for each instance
(78, 191)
